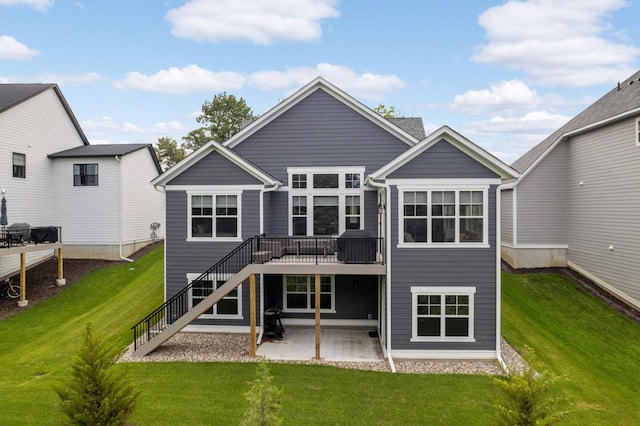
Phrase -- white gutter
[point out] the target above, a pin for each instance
(387, 191)
(119, 159)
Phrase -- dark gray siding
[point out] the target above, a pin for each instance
(214, 169)
(320, 131)
(183, 257)
(473, 267)
(279, 213)
(442, 160)
(356, 297)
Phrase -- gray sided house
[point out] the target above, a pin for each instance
(577, 202)
(396, 230)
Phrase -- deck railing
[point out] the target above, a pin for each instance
(17, 235)
(261, 249)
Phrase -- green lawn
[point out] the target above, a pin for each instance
(573, 335)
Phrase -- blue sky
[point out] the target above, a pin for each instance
(505, 74)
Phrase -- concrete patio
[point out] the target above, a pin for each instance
(336, 344)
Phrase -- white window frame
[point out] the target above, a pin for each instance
(341, 192)
(191, 277)
(442, 292)
(311, 281)
(214, 194)
(638, 132)
(438, 188)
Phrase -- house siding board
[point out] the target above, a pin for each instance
(542, 200)
(605, 210)
(475, 267)
(214, 169)
(183, 257)
(440, 161)
(279, 213)
(319, 131)
(95, 220)
(141, 204)
(370, 212)
(506, 215)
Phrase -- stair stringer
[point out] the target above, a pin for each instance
(196, 311)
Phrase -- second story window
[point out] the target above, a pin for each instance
(19, 165)
(85, 174)
(214, 216)
(441, 217)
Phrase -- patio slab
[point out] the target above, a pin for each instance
(336, 344)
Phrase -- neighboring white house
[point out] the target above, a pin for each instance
(41, 141)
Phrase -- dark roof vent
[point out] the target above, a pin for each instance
(618, 86)
(631, 82)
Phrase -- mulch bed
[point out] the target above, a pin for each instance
(41, 279)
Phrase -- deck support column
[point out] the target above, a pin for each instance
(23, 281)
(317, 300)
(252, 314)
(60, 281)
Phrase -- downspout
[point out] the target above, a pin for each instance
(262, 192)
(119, 159)
(499, 276)
(387, 237)
(164, 191)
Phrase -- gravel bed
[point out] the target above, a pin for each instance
(220, 347)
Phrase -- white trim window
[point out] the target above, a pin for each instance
(214, 216)
(638, 132)
(299, 293)
(442, 314)
(229, 307)
(325, 200)
(443, 217)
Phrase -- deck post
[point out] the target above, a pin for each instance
(23, 281)
(60, 281)
(252, 314)
(317, 300)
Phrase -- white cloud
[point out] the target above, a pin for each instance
(366, 86)
(101, 130)
(39, 5)
(193, 79)
(558, 43)
(539, 122)
(507, 95)
(181, 81)
(255, 21)
(10, 48)
(70, 79)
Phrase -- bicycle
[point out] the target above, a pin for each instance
(9, 289)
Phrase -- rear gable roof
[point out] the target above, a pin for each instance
(14, 94)
(112, 150)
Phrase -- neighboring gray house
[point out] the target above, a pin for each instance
(397, 231)
(577, 202)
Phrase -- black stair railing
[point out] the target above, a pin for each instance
(178, 305)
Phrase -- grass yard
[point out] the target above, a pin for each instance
(574, 335)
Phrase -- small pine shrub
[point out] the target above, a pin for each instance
(96, 394)
(526, 398)
(264, 399)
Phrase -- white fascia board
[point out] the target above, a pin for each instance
(445, 183)
(457, 140)
(318, 83)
